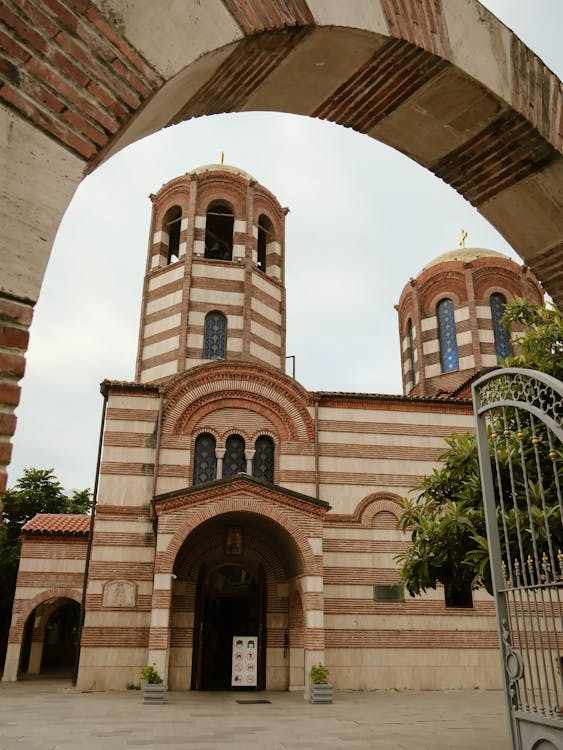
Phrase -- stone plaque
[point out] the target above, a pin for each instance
(119, 594)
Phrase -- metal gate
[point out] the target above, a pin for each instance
(519, 415)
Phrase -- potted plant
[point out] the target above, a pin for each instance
(320, 690)
(153, 687)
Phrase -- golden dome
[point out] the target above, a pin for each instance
(465, 254)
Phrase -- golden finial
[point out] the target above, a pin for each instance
(222, 157)
(462, 238)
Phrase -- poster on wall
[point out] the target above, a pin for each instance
(245, 661)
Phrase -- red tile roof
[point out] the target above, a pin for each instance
(58, 523)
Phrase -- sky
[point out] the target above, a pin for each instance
(363, 219)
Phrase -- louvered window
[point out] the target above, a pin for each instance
(263, 461)
(235, 460)
(205, 461)
(214, 336)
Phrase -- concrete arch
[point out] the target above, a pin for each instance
(444, 82)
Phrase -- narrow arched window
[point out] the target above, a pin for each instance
(265, 235)
(449, 357)
(263, 461)
(205, 460)
(214, 335)
(503, 347)
(410, 342)
(219, 226)
(235, 459)
(172, 225)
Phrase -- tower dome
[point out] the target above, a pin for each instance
(449, 317)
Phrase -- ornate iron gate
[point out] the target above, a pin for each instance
(519, 415)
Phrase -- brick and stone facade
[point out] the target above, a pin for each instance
(316, 534)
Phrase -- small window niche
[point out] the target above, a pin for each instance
(392, 592)
(219, 227)
(459, 596)
(172, 225)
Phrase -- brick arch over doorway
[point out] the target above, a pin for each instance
(445, 83)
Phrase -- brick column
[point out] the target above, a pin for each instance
(475, 343)
(15, 319)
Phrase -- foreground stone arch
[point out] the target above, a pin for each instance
(444, 82)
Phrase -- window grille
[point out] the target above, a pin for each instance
(410, 339)
(503, 347)
(214, 336)
(235, 459)
(389, 593)
(263, 461)
(205, 460)
(449, 357)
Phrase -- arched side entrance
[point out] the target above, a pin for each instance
(237, 567)
(445, 83)
(47, 637)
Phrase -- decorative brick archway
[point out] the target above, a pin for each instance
(444, 82)
(298, 518)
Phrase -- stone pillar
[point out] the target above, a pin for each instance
(36, 653)
(249, 453)
(159, 635)
(313, 631)
(220, 453)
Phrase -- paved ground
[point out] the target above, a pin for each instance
(48, 715)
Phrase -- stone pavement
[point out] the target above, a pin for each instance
(49, 715)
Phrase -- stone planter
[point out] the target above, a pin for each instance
(154, 694)
(320, 692)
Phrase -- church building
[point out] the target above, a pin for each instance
(232, 504)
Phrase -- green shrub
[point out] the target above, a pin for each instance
(151, 676)
(319, 674)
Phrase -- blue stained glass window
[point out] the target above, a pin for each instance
(263, 461)
(503, 347)
(205, 461)
(214, 336)
(235, 458)
(449, 357)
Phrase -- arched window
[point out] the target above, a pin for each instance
(205, 460)
(449, 357)
(172, 225)
(219, 225)
(263, 461)
(410, 341)
(235, 459)
(214, 335)
(503, 347)
(265, 235)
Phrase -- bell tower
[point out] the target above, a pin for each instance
(214, 281)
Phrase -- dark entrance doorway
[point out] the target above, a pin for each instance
(52, 630)
(231, 602)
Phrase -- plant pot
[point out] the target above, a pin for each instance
(320, 692)
(154, 694)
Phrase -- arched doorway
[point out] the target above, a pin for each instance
(230, 620)
(50, 639)
(233, 580)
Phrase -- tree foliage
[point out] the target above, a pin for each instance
(447, 520)
(37, 491)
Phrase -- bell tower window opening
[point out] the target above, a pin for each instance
(263, 461)
(503, 346)
(449, 356)
(234, 461)
(205, 460)
(265, 235)
(172, 225)
(410, 341)
(214, 335)
(219, 227)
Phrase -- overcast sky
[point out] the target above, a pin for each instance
(363, 220)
